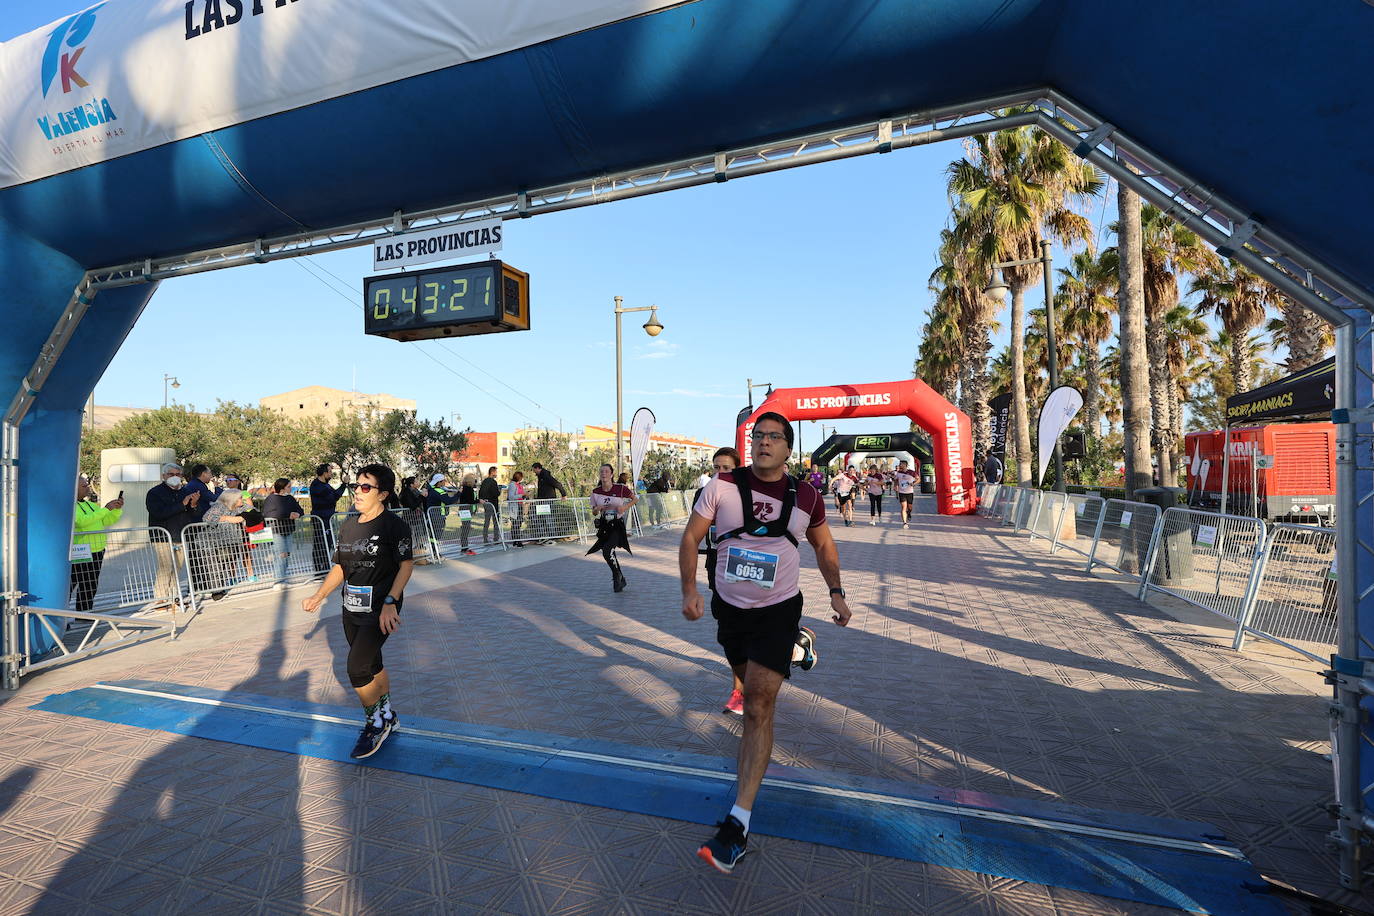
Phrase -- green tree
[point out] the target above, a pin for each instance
(1239, 298)
(577, 469)
(1013, 188)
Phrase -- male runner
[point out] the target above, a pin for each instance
(843, 487)
(758, 512)
(904, 482)
(372, 563)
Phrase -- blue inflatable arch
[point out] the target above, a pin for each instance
(302, 126)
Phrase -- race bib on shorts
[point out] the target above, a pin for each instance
(610, 515)
(357, 599)
(754, 566)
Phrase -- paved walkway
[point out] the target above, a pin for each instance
(975, 661)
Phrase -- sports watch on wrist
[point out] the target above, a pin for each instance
(837, 591)
(388, 600)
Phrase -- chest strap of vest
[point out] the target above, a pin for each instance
(777, 528)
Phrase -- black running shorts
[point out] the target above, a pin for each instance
(907, 498)
(764, 635)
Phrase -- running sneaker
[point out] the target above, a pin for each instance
(469, 552)
(371, 737)
(735, 705)
(727, 847)
(873, 521)
(806, 642)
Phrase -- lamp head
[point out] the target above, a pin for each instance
(653, 327)
(176, 384)
(996, 289)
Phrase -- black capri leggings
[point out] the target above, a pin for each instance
(875, 504)
(365, 640)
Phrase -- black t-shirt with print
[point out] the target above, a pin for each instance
(371, 554)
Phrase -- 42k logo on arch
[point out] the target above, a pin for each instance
(57, 59)
(65, 47)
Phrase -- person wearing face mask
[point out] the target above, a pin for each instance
(88, 549)
(170, 506)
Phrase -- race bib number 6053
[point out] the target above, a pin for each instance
(751, 566)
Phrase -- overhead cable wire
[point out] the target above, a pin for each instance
(354, 301)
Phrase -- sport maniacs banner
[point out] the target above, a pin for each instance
(129, 75)
(1310, 391)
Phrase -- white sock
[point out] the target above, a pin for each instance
(741, 815)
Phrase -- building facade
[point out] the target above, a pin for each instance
(319, 402)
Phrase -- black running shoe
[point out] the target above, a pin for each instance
(727, 847)
(619, 583)
(806, 641)
(370, 739)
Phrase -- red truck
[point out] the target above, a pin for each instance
(1300, 484)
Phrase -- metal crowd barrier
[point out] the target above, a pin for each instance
(123, 570)
(221, 557)
(1045, 522)
(1124, 537)
(1277, 583)
(988, 494)
(1023, 508)
(1085, 513)
(461, 527)
(656, 510)
(533, 521)
(422, 545)
(1295, 601)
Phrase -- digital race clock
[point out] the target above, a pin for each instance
(484, 298)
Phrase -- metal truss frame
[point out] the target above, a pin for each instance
(1225, 224)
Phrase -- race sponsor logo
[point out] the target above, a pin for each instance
(873, 443)
(83, 111)
(1278, 402)
(204, 16)
(850, 400)
(954, 460)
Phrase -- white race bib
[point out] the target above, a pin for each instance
(357, 599)
(754, 566)
(80, 553)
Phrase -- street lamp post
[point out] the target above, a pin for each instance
(998, 289)
(749, 388)
(175, 384)
(653, 328)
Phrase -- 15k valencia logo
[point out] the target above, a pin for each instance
(61, 60)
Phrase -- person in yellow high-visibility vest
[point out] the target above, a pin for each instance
(88, 546)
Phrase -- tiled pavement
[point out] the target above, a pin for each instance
(975, 661)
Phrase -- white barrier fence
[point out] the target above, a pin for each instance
(133, 584)
(1276, 582)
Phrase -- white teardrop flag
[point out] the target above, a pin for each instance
(1060, 408)
(641, 429)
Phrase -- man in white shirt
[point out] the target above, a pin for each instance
(904, 481)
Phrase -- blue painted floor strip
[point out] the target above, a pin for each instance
(1161, 861)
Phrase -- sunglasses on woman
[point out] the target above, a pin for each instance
(364, 487)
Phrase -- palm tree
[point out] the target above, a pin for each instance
(1086, 301)
(1188, 360)
(1306, 336)
(1239, 299)
(1167, 251)
(1217, 380)
(937, 361)
(1014, 187)
(1134, 364)
(957, 283)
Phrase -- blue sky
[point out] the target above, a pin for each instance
(811, 276)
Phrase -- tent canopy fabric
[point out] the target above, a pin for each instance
(1306, 393)
(611, 86)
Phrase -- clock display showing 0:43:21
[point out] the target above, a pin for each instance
(433, 296)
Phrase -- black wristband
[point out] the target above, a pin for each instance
(837, 591)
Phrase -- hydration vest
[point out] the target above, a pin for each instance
(777, 528)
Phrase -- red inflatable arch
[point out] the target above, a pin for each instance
(948, 426)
